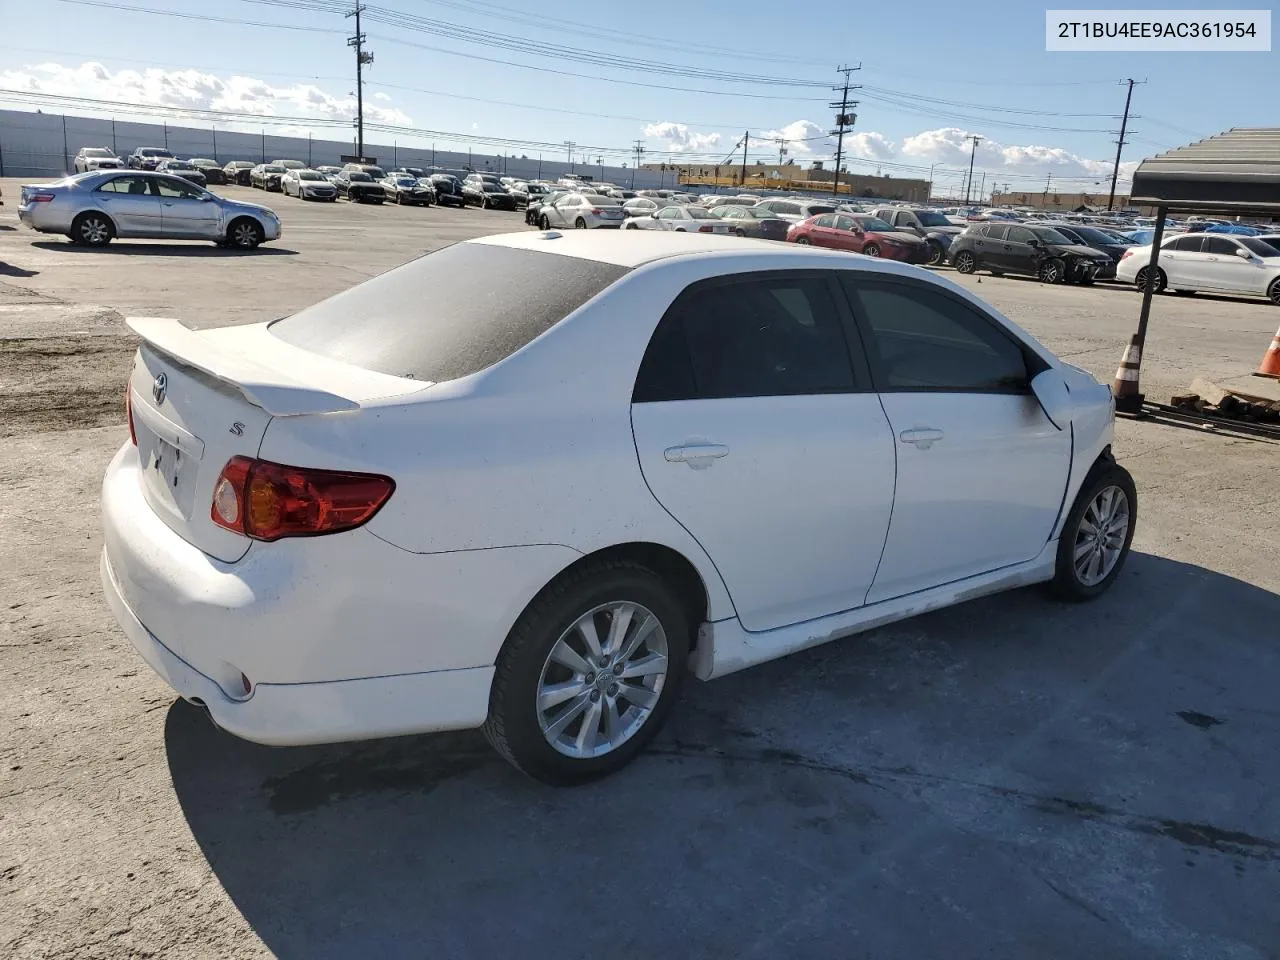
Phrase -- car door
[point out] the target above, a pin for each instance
(131, 204)
(1224, 269)
(906, 221)
(563, 211)
(847, 235)
(756, 428)
(988, 243)
(1016, 253)
(1179, 258)
(981, 471)
(186, 211)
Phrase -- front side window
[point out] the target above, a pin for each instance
(764, 337)
(1220, 246)
(924, 339)
(1020, 235)
(178, 189)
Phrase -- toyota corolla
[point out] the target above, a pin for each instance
(528, 482)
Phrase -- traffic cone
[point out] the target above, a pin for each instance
(1125, 386)
(1270, 366)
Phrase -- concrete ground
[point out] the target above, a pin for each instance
(1009, 778)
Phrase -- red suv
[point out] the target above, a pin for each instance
(860, 233)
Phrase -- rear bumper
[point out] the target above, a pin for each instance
(342, 637)
(303, 713)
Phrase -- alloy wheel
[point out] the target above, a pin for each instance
(871, 250)
(245, 235)
(965, 262)
(94, 231)
(602, 680)
(1050, 272)
(1101, 535)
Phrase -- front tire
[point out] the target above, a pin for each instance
(245, 234)
(871, 250)
(965, 262)
(1273, 292)
(579, 224)
(803, 241)
(589, 673)
(1096, 537)
(544, 224)
(1052, 271)
(92, 230)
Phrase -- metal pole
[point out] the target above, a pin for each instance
(972, 152)
(539, 166)
(264, 144)
(1124, 123)
(433, 154)
(66, 163)
(1, 158)
(395, 154)
(361, 59)
(1132, 402)
(114, 148)
(746, 138)
(308, 148)
(982, 187)
(166, 135)
(929, 196)
(215, 144)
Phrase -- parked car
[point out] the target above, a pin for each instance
(308, 185)
(750, 222)
(794, 211)
(213, 173)
(860, 233)
(183, 169)
(1097, 239)
(448, 190)
(537, 192)
(487, 193)
(96, 158)
(1214, 263)
(581, 211)
(97, 207)
(643, 206)
(681, 218)
(267, 176)
(416, 172)
(571, 549)
(409, 190)
(290, 164)
(329, 172)
(932, 226)
(1029, 249)
(240, 172)
(519, 191)
(148, 158)
(1271, 240)
(533, 212)
(374, 172)
(358, 187)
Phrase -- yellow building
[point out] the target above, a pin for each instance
(791, 176)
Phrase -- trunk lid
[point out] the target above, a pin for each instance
(200, 398)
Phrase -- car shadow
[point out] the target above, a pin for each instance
(1010, 770)
(9, 270)
(194, 248)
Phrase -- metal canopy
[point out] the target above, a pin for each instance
(1235, 172)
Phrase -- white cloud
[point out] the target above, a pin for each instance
(803, 137)
(382, 96)
(194, 89)
(951, 146)
(679, 138)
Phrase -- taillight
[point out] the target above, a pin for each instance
(597, 211)
(1125, 255)
(40, 196)
(268, 501)
(128, 409)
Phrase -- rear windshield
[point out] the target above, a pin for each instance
(432, 320)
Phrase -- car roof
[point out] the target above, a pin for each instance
(633, 248)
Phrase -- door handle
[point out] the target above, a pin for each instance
(696, 455)
(922, 437)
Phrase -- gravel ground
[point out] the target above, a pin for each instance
(1007, 778)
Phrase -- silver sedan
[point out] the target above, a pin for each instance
(95, 208)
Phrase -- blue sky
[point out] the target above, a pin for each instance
(1040, 112)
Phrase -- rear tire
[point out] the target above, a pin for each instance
(964, 262)
(92, 230)
(936, 254)
(1140, 281)
(579, 224)
(1096, 537)
(538, 739)
(803, 241)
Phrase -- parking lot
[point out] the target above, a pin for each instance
(1011, 777)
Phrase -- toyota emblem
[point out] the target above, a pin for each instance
(159, 387)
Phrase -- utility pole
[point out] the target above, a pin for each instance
(1124, 125)
(569, 145)
(363, 58)
(982, 187)
(844, 121)
(639, 153)
(968, 185)
(782, 149)
(930, 195)
(746, 137)
(215, 146)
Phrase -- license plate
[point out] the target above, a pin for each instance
(166, 461)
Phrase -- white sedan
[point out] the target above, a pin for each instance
(1212, 262)
(679, 218)
(528, 482)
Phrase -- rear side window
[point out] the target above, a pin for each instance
(1189, 244)
(923, 339)
(768, 337)
(449, 314)
(995, 231)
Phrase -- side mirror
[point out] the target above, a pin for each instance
(1055, 400)
(1243, 254)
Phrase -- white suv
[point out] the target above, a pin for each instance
(97, 158)
(1215, 262)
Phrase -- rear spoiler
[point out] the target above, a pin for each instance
(278, 394)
